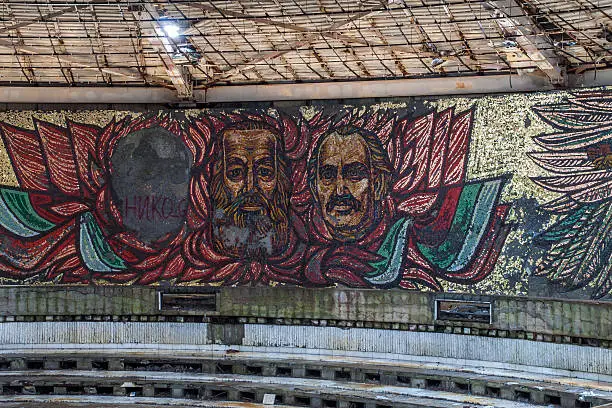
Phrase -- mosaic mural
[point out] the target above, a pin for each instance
(389, 196)
(579, 157)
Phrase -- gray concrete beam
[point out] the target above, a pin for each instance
(393, 88)
(86, 95)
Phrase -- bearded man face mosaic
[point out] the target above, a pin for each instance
(249, 193)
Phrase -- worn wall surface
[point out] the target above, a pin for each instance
(518, 317)
(497, 195)
(326, 343)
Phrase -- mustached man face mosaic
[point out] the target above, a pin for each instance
(347, 187)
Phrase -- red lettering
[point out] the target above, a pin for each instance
(129, 207)
(144, 210)
(155, 208)
(182, 208)
(163, 211)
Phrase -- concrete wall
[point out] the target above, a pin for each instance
(517, 314)
(77, 300)
(523, 318)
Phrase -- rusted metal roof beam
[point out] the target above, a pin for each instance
(73, 61)
(293, 46)
(156, 37)
(303, 29)
(512, 19)
(45, 17)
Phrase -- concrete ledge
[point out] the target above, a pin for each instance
(585, 319)
(382, 88)
(327, 360)
(281, 372)
(77, 300)
(95, 401)
(290, 388)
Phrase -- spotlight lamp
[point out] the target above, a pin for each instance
(171, 28)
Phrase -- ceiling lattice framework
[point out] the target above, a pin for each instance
(93, 42)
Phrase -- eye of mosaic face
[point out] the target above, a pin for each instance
(235, 171)
(328, 173)
(265, 169)
(355, 171)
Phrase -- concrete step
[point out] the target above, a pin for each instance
(314, 393)
(543, 387)
(88, 401)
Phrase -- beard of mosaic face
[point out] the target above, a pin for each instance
(249, 234)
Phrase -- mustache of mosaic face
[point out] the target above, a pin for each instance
(269, 215)
(345, 200)
(252, 200)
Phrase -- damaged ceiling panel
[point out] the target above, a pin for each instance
(186, 45)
